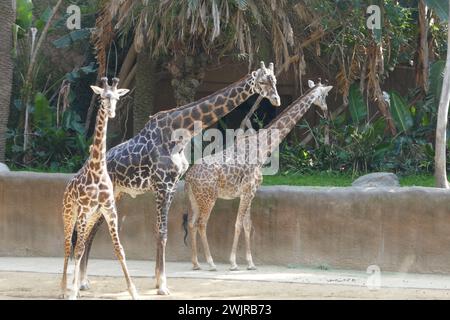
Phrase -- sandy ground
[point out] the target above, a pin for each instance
(39, 278)
(17, 285)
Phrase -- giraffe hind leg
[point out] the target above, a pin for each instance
(69, 218)
(193, 228)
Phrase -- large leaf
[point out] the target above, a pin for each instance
(24, 13)
(40, 23)
(440, 7)
(70, 38)
(436, 77)
(400, 112)
(358, 110)
(42, 111)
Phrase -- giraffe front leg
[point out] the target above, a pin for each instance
(193, 228)
(79, 250)
(69, 226)
(247, 231)
(163, 202)
(110, 215)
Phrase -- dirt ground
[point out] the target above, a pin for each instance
(27, 285)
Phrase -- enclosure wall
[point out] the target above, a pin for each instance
(398, 229)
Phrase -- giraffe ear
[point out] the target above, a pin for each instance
(311, 83)
(254, 73)
(122, 92)
(97, 90)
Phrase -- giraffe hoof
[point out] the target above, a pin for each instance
(72, 297)
(251, 268)
(196, 267)
(163, 292)
(85, 285)
(133, 293)
(212, 268)
(234, 268)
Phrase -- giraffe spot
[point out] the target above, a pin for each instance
(187, 122)
(244, 95)
(233, 93)
(176, 122)
(220, 100)
(103, 196)
(205, 107)
(167, 132)
(208, 118)
(195, 113)
(95, 153)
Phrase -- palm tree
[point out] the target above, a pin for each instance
(7, 17)
(188, 36)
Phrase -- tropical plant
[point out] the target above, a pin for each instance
(184, 37)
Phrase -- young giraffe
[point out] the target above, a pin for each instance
(154, 161)
(90, 194)
(231, 174)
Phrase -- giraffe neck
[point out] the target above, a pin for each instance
(213, 107)
(287, 120)
(98, 150)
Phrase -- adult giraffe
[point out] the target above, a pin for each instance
(153, 161)
(237, 173)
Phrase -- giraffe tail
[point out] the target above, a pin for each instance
(185, 226)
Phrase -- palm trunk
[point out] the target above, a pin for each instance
(440, 172)
(422, 50)
(7, 17)
(187, 75)
(145, 90)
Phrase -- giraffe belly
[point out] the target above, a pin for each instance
(130, 191)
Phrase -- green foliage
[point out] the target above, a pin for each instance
(69, 39)
(24, 15)
(356, 104)
(336, 179)
(42, 112)
(436, 77)
(400, 112)
(439, 7)
(61, 149)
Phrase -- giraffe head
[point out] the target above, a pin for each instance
(320, 92)
(265, 83)
(109, 95)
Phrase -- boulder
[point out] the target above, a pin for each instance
(377, 179)
(3, 167)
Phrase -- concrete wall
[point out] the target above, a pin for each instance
(399, 229)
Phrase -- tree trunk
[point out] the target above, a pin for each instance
(422, 50)
(145, 90)
(187, 73)
(7, 17)
(440, 172)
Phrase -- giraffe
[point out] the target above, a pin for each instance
(152, 161)
(230, 174)
(90, 194)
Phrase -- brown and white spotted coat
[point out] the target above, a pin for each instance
(152, 162)
(230, 175)
(90, 194)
